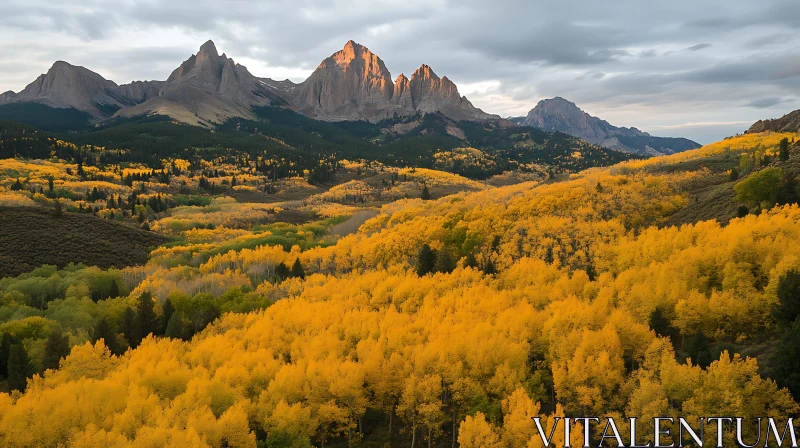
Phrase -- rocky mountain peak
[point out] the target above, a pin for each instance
(424, 72)
(559, 114)
(788, 123)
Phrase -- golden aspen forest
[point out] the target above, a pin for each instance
(399, 306)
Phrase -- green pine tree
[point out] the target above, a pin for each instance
(282, 271)
(146, 316)
(167, 311)
(113, 291)
(19, 368)
(426, 260)
(56, 347)
(129, 328)
(425, 195)
(5, 349)
(444, 262)
(783, 151)
(788, 306)
(297, 269)
(104, 331)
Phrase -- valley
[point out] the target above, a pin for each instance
(225, 260)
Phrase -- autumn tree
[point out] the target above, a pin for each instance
(476, 432)
(760, 188)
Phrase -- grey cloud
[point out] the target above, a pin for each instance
(765, 102)
(608, 54)
(698, 47)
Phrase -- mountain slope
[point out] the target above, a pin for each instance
(209, 88)
(354, 84)
(66, 86)
(558, 114)
(787, 123)
(206, 88)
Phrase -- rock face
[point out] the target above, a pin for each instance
(558, 114)
(354, 84)
(70, 86)
(207, 88)
(787, 123)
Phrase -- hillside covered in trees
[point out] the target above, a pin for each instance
(454, 315)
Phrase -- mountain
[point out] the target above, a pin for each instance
(558, 114)
(354, 84)
(207, 88)
(788, 123)
(66, 86)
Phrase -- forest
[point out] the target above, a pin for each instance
(466, 303)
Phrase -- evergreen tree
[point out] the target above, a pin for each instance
(16, 186)
(5, 349)
(471, 261)
(742, 211)
(297, 269)
(426, 261)
(19, 368)
(58, 210)
(783, 151)
(787, 191)
(56, 347)
(104, 331)
(176, 328)
(128, 327)
(698, 347)
(113, 291)
(444, 262)
(734, 176)
(788, 307)
(282, 271)
(146, 316)
(425, 195)
(785, 360)
(488, 267)
(167, 311)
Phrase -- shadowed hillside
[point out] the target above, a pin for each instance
(32, 237)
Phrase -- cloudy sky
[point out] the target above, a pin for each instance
(702, 69)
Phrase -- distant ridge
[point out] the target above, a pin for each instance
(559, 114)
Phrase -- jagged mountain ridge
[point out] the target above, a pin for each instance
(209, 88)
(787, 123)
(559, 114)
(354, 84)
